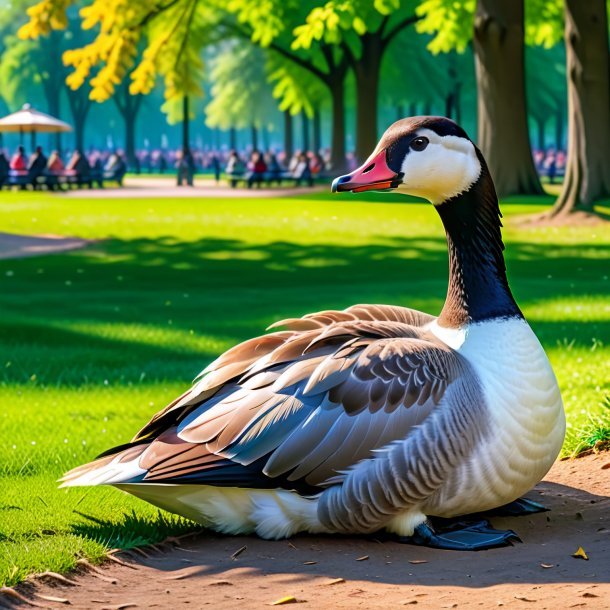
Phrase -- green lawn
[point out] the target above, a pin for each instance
(94, 341)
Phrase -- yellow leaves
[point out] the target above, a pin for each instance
(45, 16)
(289, 599)
(580, 554)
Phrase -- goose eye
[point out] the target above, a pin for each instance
(419, 144)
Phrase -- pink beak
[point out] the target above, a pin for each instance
(373, 175)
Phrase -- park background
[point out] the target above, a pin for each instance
(95, 340)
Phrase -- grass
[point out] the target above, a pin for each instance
(94, 341)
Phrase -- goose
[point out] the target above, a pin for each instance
(377, 418)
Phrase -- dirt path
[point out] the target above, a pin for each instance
(200, 572)
(143, 187)
(19, 246)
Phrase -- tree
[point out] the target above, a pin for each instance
(497, 31)
(587, 177)
(546, 98)
(128, 106)
(241, 95)
(363, 31)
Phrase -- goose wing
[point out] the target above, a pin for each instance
(300, 407)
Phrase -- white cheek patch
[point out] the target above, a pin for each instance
(447, 167)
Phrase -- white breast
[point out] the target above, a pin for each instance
(527, 421)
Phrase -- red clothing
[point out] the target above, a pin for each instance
(18, 162)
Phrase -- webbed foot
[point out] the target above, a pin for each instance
(518, 508)
(461, 536)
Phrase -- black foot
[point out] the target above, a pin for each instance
(518, 508)
(461, 536)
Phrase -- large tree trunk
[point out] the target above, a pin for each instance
(587, 176)
(366, 71)
(317, 130)
(254, 137)
(502, 118)
(288, 139)
(232, 138)
(337, 144)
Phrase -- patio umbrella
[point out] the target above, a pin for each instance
(28, 120)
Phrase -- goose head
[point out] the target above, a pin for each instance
(429, 157)
(433, 158)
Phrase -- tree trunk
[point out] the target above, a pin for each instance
(305, 131)
(337, 144)
(254, 137)
(412, 109)
(400, 112)
(288, 140)
(317, 130)
(502, 118)
(232, 138)
(366, 71)
(186, 136)
(540, 125)
(265, 136)
(427, 110)
(587, 177)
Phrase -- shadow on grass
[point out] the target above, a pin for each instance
(224, 291)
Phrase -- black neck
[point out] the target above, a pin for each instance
(478, 288)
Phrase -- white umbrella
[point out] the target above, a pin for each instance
(28, 120)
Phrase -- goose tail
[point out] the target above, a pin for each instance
(118, 467)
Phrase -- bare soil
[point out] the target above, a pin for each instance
(212, 571)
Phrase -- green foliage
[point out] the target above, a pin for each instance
(297, 89)
(450, 21)
(241, 96)
(543, 22)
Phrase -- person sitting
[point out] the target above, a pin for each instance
(78, 167)
(257, 168)
(55, 165)
(37, 165)
(302, 171)
(18, 161)
(274, 169)
(235, 168)
(115, 168)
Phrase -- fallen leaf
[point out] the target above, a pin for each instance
(411, 601)
(220, 583)
(418, 561)
(121, 606)
(309, 563)
(524, 599)
(121, 563)
(289, 599)
(580, 554)
(50, 598)
(589, 595)
(363, 558)
(335, 581)
(238, 552)
(96, 571)
(547, 565)
(292, 546)
(606, 466)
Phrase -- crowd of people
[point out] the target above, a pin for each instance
(54, 171)
(550, 163)
(251, 167)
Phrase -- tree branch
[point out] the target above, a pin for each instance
(398, 27)
(299, 61)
